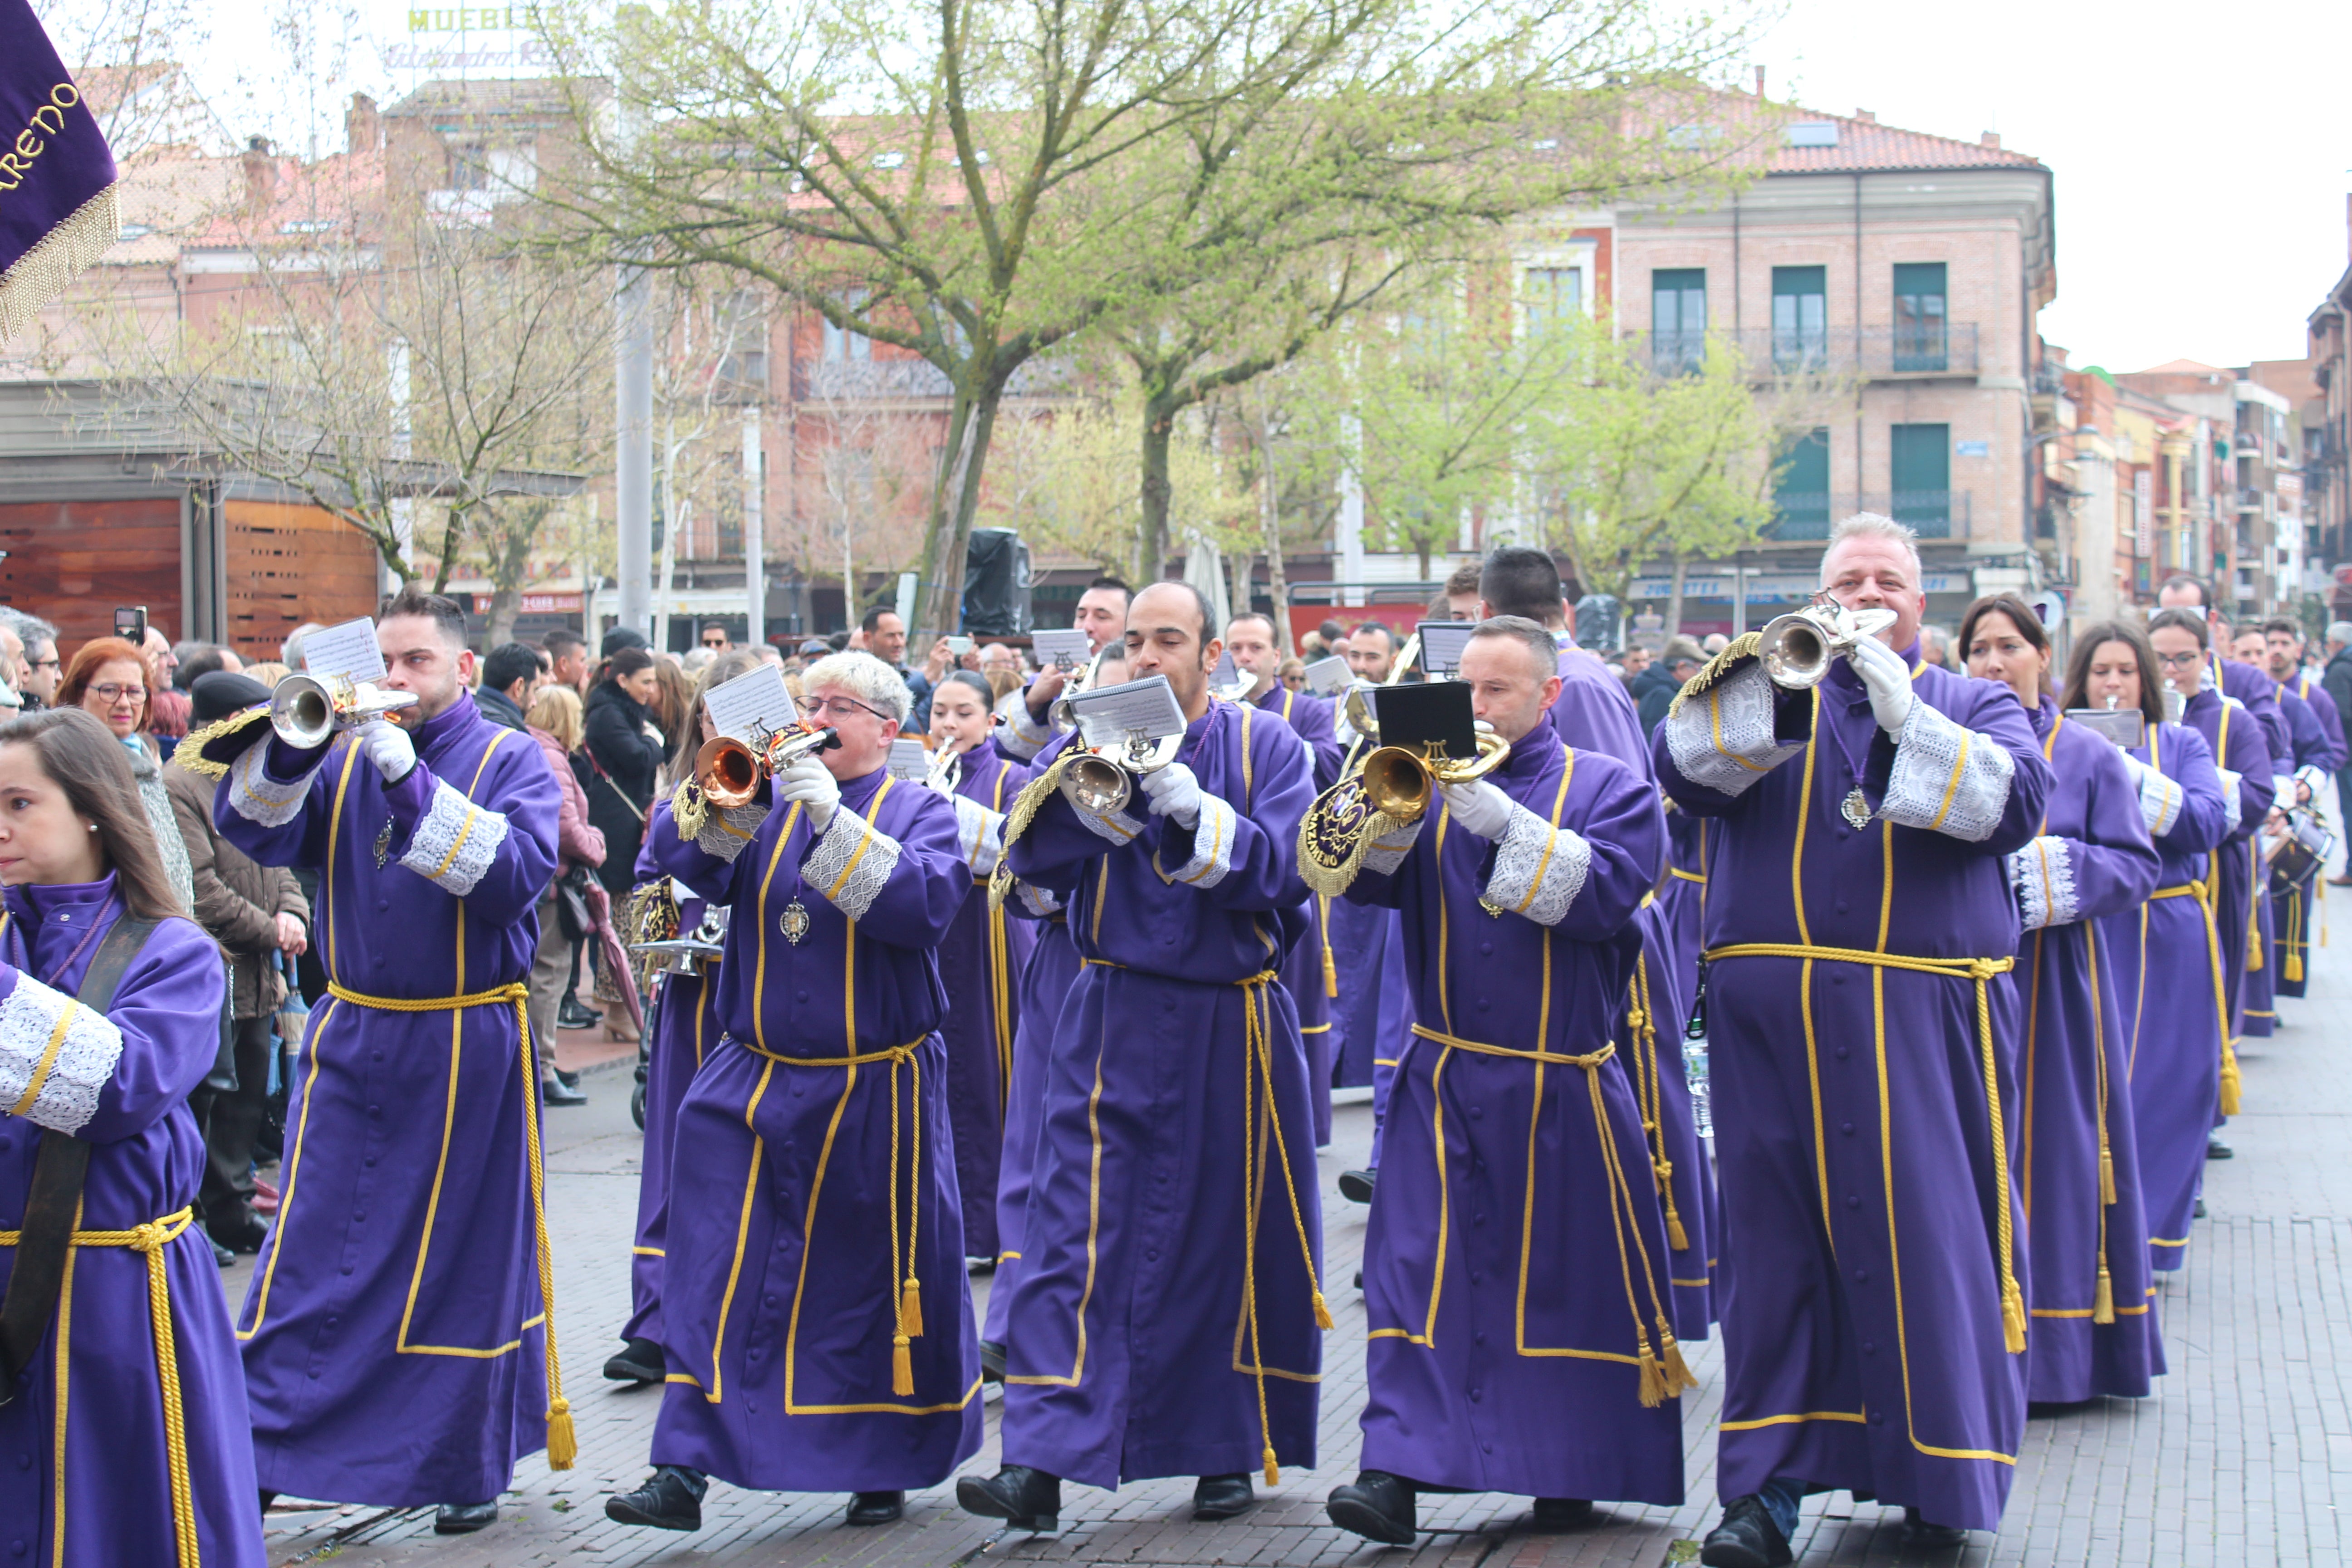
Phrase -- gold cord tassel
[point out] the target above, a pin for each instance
(2230, 1081)
(562, 1443)
(1273, 1471)
(910, 1308)
(1322, 1312)
(902, 1366)
(2012, 1317)
(2107, 1174)
(1676, 1237)
(2292, 969)
(1677, 1371)
(1654, 1377)
(2254, 945)
(1330, 972)
(2102, 1305)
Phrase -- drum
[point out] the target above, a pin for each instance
(2299, 851)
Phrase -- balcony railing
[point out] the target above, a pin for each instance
(1873, 353)
(1933, 514)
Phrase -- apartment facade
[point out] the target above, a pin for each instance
(2328, 440)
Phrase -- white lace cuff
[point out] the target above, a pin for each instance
(849, 863)
(2044, 875)
(2160, 800)
(1020, 734)
(2282, 790)
(2313, 776)
(1116, 826)
(2233, 799)
(255, 797)
(455, 842)
(1946, 779)
(56, 1054)
(981, 832)
(728, 830)
(1538, 868)
(1721, 738)
(1388, 852)
(1039, 901)
(1212, 845)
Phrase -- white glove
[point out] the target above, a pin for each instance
(1175, 793)
(388, 747)
(1888, 680)
(2137, 769)
(809, 782)
(1479, 807)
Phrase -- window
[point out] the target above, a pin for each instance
(469, 167)
(1920, 458)
(840, 343)
(1677, 320)
(1800, 317)
(1921, 341)
(1800, 488)
(1555, 296)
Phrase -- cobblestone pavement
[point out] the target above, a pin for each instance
(2240, 1457)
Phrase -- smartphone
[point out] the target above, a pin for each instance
(131, 624)
(958, 645)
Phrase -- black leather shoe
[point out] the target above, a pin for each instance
(2217, 1150)
(1561, 1513)
(1919, 1535)
(671, 1499)
(638, 1360)
(1377, 1506)
(555, 1091)
(221, 1255)
(573, 1016)
(876, 1508)
(245, 1232)
(991, 1360)
(2199, 1212)
(1356, 1186)
(1746, 1539)
(465, 1518)
(1024, 1499)
(1222, 1497)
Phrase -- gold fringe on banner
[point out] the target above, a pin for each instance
(42, 273)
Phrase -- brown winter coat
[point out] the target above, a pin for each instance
(238, 899)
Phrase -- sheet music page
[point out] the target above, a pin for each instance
(908, 760)
(349, 650)
(1329, 677)
(1110, 715)
(1442, 643)
(751, 702)
(1066, 647)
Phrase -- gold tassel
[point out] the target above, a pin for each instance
(1677, 1237)
(1654, 1379)
(2230, 1082)
(2294, 969)
(2012, 1318)
(910, 1308)
(1322, 1312)
(562, 1443)
(1330, 972)
(2106, 1176)
(2254, 945)
(1273, 1471)
(2102, 1305)
(1676, 1370)
(902, 1367)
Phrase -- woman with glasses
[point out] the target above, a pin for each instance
(115, 683)
(2092, 1323)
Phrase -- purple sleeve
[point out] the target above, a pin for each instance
(1624, 826)
(277, 802)
(2114, 863)
(2249, 757)
(903, 877)
(1318, 729)
(495, 849)
(1248, 859)
(2188, 763)
(109, 1077)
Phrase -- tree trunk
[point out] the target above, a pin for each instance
(1158, 488)
(452, 531)
(1674, 601)
(510, 563)
(1269, 512)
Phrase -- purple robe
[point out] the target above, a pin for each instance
(2168, 977)
(980, 963)
(1148, 1336)
(91, 1488)
(1310, 972)
(685, 1028)
(2078, 1179)
(2233, 885)
(1046, 982)
(1682, 1176)
(2318, 744)
(1595, 712)
(393, 1332)
(817, 1317)
(1520, 1311)
(1865, 1139)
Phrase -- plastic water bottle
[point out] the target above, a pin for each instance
(1695, 1076)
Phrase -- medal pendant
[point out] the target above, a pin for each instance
(1494, 910)
(793, 922)
(383, 844)
(1855, 810)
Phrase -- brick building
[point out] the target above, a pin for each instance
(2328, 437)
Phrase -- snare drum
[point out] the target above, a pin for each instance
(2296, 854)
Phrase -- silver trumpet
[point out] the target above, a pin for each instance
(307, 712)
(1798, 648)
(946, 771)
(1102, 778)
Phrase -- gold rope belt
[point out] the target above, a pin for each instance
(1980, 971)
(1641, 1023)
(562, 1445)
(1257, 1069)
(1664, 1373)
(2231, 1084)
(907, 1303)
(149, 1238)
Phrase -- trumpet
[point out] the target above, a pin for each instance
(1796, 648)
(1102, 778)
(946, 771)
(730, 770)
(1391, 790)
(307, 712)
(1062, 713)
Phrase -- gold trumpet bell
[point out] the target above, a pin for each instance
(730, 770)
(1393, 789)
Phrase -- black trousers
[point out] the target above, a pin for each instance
(229, 1120)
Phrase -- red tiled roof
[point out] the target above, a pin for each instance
(1865, 145)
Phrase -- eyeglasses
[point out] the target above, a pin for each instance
(714, 642)
(839, 708)
(114, 693)
(2179, 661)
(47, 664)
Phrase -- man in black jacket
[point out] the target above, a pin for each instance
(1654, 690)
(507, 675)
(2337, 681)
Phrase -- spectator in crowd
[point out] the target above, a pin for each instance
(256, 913)
(1292, 675)
(269, 673)
(673, 705)
(555, 722)
(768, 653)
(715, 637)
(41, 666)
(695, 661)
(290, 652)
(167, 710)
(1935, 646)
(568, 653)
(618, 638)
(886, 639)
(1654, 691)
(508, 673)
(115, 683)
(1462, 592)
(623, 747)
(1371, 650)
(1714, 643)
(199, 658)
(1003, 679)
(13, 668)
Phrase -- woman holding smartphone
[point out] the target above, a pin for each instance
(129, 1423)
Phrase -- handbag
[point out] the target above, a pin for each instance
(571, 914)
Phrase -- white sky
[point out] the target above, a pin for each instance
(2202, 154)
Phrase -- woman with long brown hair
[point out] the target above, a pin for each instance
(131, 1426)
(117, 683)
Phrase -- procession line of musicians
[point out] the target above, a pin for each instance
(1970, 976)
